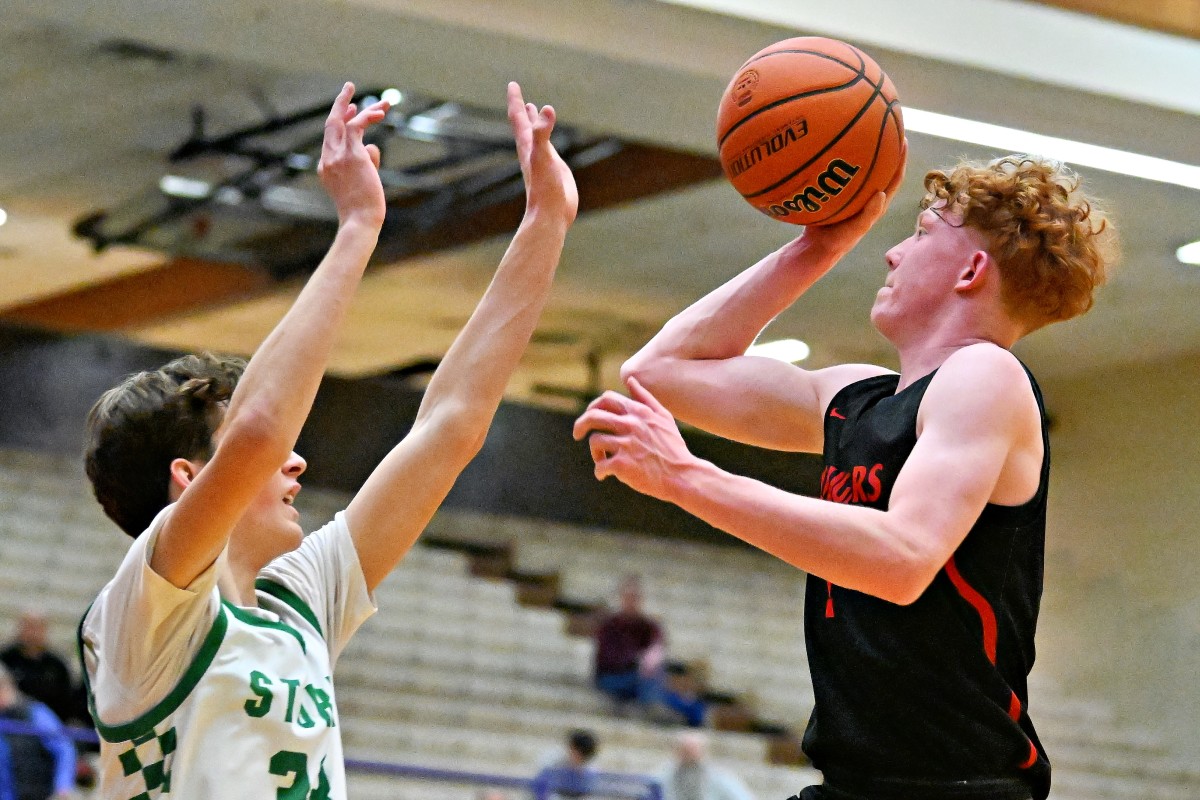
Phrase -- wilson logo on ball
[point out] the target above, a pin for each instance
(828, 184)
(768, 147)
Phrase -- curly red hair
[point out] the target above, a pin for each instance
(1052, 243)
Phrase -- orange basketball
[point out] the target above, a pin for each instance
(809, 129)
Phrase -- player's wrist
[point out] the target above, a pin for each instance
(547, 215)
(360, 223)
(686, 481)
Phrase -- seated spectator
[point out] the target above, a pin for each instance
(7, 790)
(629, 661)
(42, 762)
(568, 772)
(693, 777)
(40, 673)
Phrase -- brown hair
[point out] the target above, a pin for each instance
(136, 429)
(1052, 243)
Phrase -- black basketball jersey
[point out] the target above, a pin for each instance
(926, 700)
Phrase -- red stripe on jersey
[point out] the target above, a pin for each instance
(1014, 708)
(1033, 757)
(986, 615)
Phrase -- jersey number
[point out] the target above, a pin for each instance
(287, 763)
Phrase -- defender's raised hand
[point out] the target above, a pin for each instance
(349, 169)
(549, 184)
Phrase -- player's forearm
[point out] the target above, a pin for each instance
(726, 321)
(859, 548)
(468, 385)
(281, 380)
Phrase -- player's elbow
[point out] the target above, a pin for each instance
(460, 430)
(647, 367)
(913, 567)
(256, 433)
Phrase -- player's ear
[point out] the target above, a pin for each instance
(183, 472)
(975, 272)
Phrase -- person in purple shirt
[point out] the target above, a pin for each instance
(630, 660)
(42, 763)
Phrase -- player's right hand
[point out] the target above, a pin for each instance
(349, 169)
(840, 238)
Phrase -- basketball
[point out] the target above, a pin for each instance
(809, 129)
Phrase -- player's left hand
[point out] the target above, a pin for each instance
(634, 439)
(549, 184)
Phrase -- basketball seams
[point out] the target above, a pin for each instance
(859, 74)
(878, 92)
(862, 66)
(782, 101)
(889, 113)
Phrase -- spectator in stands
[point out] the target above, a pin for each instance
(7, 790)
(43, 762)
(630, 656)
(39, 672)
(568, 772)
(693, 777)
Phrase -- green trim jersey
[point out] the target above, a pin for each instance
(194, 697)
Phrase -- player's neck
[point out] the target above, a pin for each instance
(919, 359)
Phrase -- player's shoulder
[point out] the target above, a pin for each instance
(983, 380)
(984, 367)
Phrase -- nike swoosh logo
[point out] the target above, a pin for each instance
(833, 412)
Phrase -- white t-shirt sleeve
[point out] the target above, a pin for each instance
(143, 632)
(325, 573)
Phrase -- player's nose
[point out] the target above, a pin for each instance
(294, 466)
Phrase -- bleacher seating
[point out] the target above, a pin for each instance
(455, 673)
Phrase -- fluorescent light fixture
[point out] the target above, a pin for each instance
(187, 188)
(790, 350)
(393, 96)
(1074, 153)
(3, 216)
(1189, 254)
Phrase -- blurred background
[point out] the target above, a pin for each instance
(158, 195)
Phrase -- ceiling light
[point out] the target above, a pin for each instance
(1189, 253)
(1075, 153)
(393, 97)
(187, 188)
(3, 216)
(790, 350)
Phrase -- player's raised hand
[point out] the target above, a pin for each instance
(349, 169)
(841, 237)
(549, 184)
(635, 439)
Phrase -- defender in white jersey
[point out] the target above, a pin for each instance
(209, 657)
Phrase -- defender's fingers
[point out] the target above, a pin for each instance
(516, 103)
(374, 154)
(335, 123)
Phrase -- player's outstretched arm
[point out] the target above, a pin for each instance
(979, 442)
(276, 392)
(696, 365)
(402, 494)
